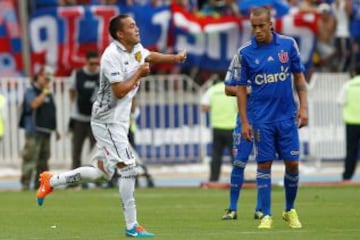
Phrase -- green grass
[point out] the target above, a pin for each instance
(186, 214)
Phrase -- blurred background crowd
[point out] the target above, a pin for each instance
(338, 35)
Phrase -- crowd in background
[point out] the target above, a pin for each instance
(338, 37)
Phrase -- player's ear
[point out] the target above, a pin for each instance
(119, 34)
(271, 25)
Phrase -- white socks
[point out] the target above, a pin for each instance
(78, 175)
(126, 189)
(91, 174)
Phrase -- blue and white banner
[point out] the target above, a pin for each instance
(60, 36)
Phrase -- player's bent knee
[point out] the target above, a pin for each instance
(239, 164)
(130, 171)
(292, 166)
(264, 165)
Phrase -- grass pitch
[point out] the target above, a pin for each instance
(177, 214)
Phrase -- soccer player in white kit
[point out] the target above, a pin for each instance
(124, 62)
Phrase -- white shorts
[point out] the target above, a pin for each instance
(112, 146)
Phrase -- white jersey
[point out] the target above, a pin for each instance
(116, 65)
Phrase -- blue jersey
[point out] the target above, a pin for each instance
(232, 78)
(269, 70)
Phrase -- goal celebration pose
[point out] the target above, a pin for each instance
(123, 64)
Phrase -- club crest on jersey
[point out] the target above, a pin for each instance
(283, 57)
(138, 56)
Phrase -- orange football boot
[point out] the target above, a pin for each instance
(44, 188)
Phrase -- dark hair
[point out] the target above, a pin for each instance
(91, 54)
(257, 11)
(38, 73)
(116, 24)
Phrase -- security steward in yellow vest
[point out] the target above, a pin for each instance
(349, 98)
(223, 110)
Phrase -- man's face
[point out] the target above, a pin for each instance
(130, 32)
(92, 64)
(261, 28)
(44, 79)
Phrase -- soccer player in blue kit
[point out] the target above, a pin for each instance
(271, 62)
(241, 149)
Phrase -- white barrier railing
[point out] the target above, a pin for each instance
(326, 130)
(13, 142)
(171, 128)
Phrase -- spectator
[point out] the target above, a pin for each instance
(354, 13)
(84, 83)
(38, 118)
(342, 35)
(109, 2)
(153, 3)
(349, 98)
(307, 6)
(67, 2)
(223, 112)
(325, 38)
(189, 5)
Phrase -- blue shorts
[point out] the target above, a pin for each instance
(279, 140)
(241, 148)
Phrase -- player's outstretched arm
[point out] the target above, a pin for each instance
(156, 57)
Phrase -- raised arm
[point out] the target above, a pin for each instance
(156, 57)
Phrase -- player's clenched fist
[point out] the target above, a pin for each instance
(181, 56)
(144, 69)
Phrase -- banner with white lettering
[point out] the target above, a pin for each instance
(10, 40)
(61, 36)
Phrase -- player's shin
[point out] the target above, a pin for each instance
(236, 182)
(126, 189)
(291, 182)
(78, 175)
(263, 180)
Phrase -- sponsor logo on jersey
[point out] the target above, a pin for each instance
(114, 73)
(263, 78)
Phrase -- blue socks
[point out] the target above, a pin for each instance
(291, 182)
(236, 182)
(258, 201)
(263, 181)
